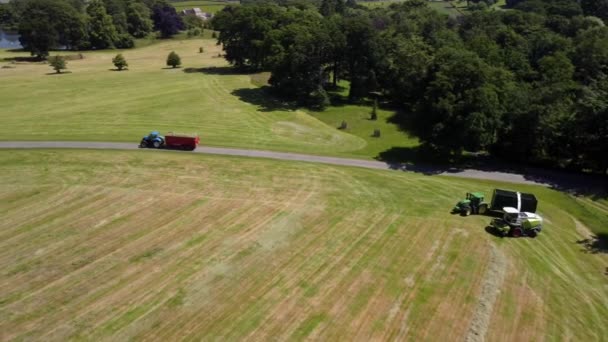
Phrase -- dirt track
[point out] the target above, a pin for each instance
(562, 181)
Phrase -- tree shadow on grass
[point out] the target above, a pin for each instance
(25, 59)
(263, 99)
(56, 73)
(595, 244)
(428, 161)
(118, 70)
(219, 71)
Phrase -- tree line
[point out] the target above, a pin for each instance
(44, 25)
(528, 84)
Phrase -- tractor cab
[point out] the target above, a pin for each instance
(475, 198)
(511, 216)
(154, 139)
(472, 204)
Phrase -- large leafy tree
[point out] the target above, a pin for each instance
(117, 10)
(298, 70)
(49, 24)
(246, 33)
(139, 23)
(462, 106)
(166, 20)
(102, 32)
(361, 53)
(598, 8)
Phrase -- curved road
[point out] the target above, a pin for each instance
(562, 181)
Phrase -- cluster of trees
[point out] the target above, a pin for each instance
(81, 25)
(529, 84)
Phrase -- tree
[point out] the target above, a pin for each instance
(102, 33)
(48, 24)
(331, 7)
(597, 8)
(374, 115)
(139, 23)
(8, 19)
(249, 34)
(58, 63)
(461, 108)
(120, 62)
(173, 59)
(297, 67)
(117, 10)
(360, 53)
(166, 20)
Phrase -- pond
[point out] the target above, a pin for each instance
(9, 40)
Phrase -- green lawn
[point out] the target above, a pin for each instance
(111, 245)
(209, 6)
(444, 7)
(205, 96)
(381, 3)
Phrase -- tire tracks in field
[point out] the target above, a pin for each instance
(490, 289)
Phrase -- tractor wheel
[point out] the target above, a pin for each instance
(156, 144)
(467, 211)
(516, 232)
(143, 144)
(482, 209)
(533, 233)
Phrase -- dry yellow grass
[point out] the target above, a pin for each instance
(164, 246)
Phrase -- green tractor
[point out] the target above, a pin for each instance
(516, 224)
(472, 204)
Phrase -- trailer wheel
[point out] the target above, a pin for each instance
(516, 232)
(483, 208)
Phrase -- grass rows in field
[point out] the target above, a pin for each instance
(176, 245)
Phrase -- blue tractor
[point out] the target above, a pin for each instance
(154, 139)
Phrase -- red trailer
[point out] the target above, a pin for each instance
(181, 141)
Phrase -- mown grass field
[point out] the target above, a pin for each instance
(209, 6)
(446, 7)
(108, 245)
(205, 96)
(379, 3)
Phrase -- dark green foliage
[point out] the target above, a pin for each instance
(120, 62)
(101, 29)
(166, 20)
(58, 63)
(331, 7)
(173, 60)
(192, 22)
(194, 32)
(248, 33)
(117, 10)
(139, 23)
(124, 41)
(529, 84)
(49, 24)
(8, 19)
(374, 114)
(597, 8)
(78, 24)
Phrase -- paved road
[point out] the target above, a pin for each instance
(562, 181)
